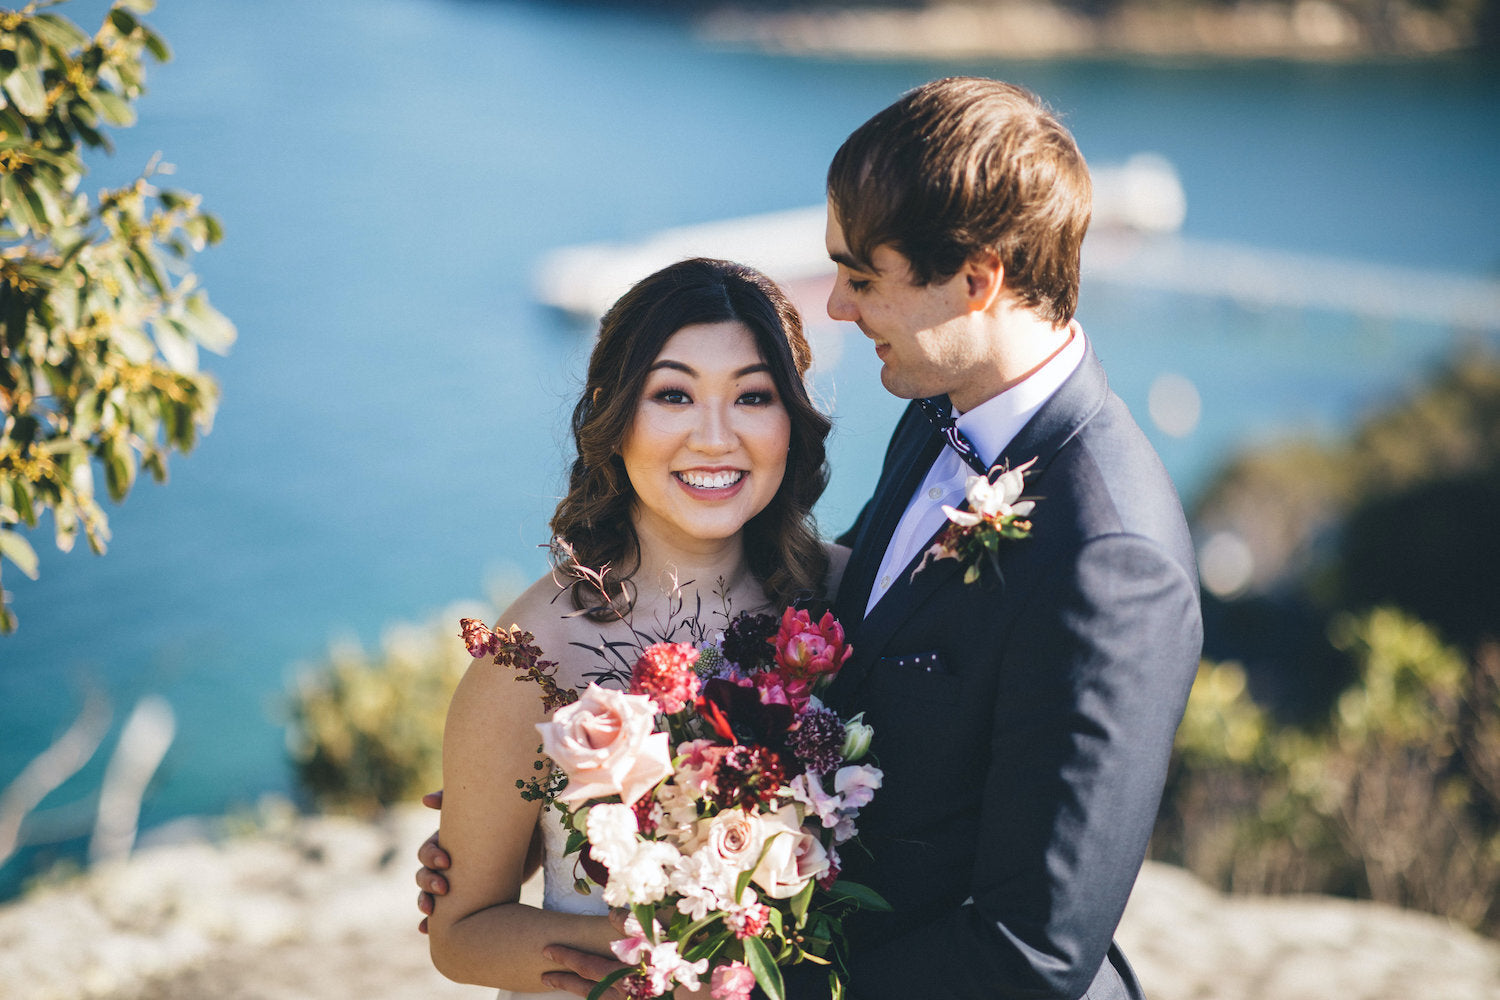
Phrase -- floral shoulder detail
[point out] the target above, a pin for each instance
(996, 513)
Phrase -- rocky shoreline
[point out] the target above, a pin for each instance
(323, 907)
(1304, 30)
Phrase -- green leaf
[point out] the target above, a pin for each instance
(65, 521)
(207, 325)
(35, 204)
(58, 32)
(706, 947)
(119, 467)
(156, 45)
(767, 975)
(604, 984)
(861, 895)
(112, 107)
(123, 20)
(21, 496)
(19, 551)
(645, 915)
(24, 87)
(139, 6)
(800, 901)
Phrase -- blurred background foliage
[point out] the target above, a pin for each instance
(365, 729)
(100, 316)
(1357, 750)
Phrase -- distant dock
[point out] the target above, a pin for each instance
(1133, 242)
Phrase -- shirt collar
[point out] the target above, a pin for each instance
(992, 424)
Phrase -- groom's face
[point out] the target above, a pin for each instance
(922, 333)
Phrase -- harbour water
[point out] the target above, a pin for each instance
(393, 429)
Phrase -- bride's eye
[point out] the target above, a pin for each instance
(757, 397)
(672, 396)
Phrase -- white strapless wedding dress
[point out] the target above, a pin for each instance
(557, 888)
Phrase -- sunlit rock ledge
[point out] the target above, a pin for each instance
(324, 907)
(1257, 29)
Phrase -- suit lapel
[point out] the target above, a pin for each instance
(1053, 426)
(913, 448)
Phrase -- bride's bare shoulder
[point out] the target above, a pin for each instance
(838, 561)
(545, 609)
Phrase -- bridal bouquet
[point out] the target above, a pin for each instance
(711, 798)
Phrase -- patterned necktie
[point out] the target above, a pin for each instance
(947, 425)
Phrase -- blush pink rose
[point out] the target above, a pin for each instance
(734, 837)
(605, 743)
(791, 858)
(734, 981)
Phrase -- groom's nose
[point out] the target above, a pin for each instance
(841, 304)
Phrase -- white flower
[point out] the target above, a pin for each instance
(857, 784)
(703, 882)
(857, 737)
(808, 789)
(991, 500)
(679, 815)
(643, 877)
(665, 965)
(612, 833)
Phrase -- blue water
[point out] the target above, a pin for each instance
(393, 426)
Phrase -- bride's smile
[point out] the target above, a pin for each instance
(707, 447)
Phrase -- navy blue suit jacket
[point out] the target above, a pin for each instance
(1024, 723)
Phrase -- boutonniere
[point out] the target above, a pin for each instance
(996, 512)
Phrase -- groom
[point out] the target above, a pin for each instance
(1025, 717)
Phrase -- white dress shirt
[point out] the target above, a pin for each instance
(990, 426)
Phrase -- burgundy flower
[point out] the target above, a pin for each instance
(476, 636)
(818, 740)
(739, 714)
(747, 776)
(747, 641)
(665, 673)
(808, 651)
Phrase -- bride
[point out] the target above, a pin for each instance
(700, 456)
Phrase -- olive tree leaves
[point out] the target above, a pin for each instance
(101, 317)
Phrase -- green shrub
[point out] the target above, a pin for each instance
(366, 730)
(1394, 797)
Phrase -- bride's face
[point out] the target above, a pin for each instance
(707, 448)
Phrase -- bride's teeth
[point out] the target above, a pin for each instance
(710, 480)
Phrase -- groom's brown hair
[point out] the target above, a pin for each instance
(962, 166)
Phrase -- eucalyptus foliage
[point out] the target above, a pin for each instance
(101, 317)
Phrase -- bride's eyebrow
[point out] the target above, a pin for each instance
(689, 370)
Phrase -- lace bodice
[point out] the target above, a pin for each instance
(558, 872)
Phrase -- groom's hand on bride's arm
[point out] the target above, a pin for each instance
(434, 861)
(580, 972)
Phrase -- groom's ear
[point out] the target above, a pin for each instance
(984, 279)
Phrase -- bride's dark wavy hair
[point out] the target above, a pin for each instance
(781, 542)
